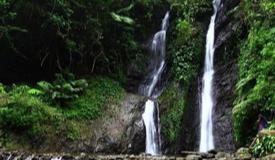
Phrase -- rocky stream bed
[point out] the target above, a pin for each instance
(241, 154)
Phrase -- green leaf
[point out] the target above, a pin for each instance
(35, 92)
(122, 19)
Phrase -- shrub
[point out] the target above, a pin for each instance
(185, 51)
(171, 119)
(256, 74)
(263, 146)
(2, 89)
(259, 13)
(186, 43)
(62, 89)
(101, 92)
(190, 9)
(256, 84)
(3, 95)
(27, 115)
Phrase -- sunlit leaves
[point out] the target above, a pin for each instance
(259, 12)
(189, 9)
(122, 19)
(263, 146)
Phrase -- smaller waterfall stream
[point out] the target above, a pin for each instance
(206, 135)
(150, 115)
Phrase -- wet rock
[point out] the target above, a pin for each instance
(223, 155)
(224, 86)
(120, 130)
(193, 157)
(199, 154)
(189, 134)
(208, 155)
(67, 157)
(213, 151)
(228, 25)
(269, 157)
(243, 153)
(186, 153)
(226, 71)
(226, 74)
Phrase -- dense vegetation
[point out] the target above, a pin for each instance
(101, 39)
(187, 38)
(255, 89)
(32, 114)
(83, 37)
(173, 99)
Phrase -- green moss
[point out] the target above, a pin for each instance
(171, 119)
(102, 92)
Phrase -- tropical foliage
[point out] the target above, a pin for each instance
(186, 46)
(173, 99)
(62, 89)
(63, 61)
(27, 114)
(80, 36)
(255, 89)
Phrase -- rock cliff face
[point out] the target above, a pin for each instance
(228, 27)
(228, 30)
(119, 130)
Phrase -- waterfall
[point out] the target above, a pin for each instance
(150, 115)
(29, 157)
(56, 158)
(206, 135)
(9, 157)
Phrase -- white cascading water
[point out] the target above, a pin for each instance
(206, 135)
(29, 157)
(158, 47)
(56, 158)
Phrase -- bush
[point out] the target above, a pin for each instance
(190, 9)
(3, 95)
(101, 92)
(62, 89)
(256, 84)
(27, 115)
(171, 119)
(2, 89)
(259, 12)
(256, 74)
(263, 146)
(186, 43)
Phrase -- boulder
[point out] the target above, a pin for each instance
(119, 130)
(223, 155)
(269, 157)
(243, 153)
(193, 157)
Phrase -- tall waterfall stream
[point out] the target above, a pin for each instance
(150, 115)
(206, 132)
